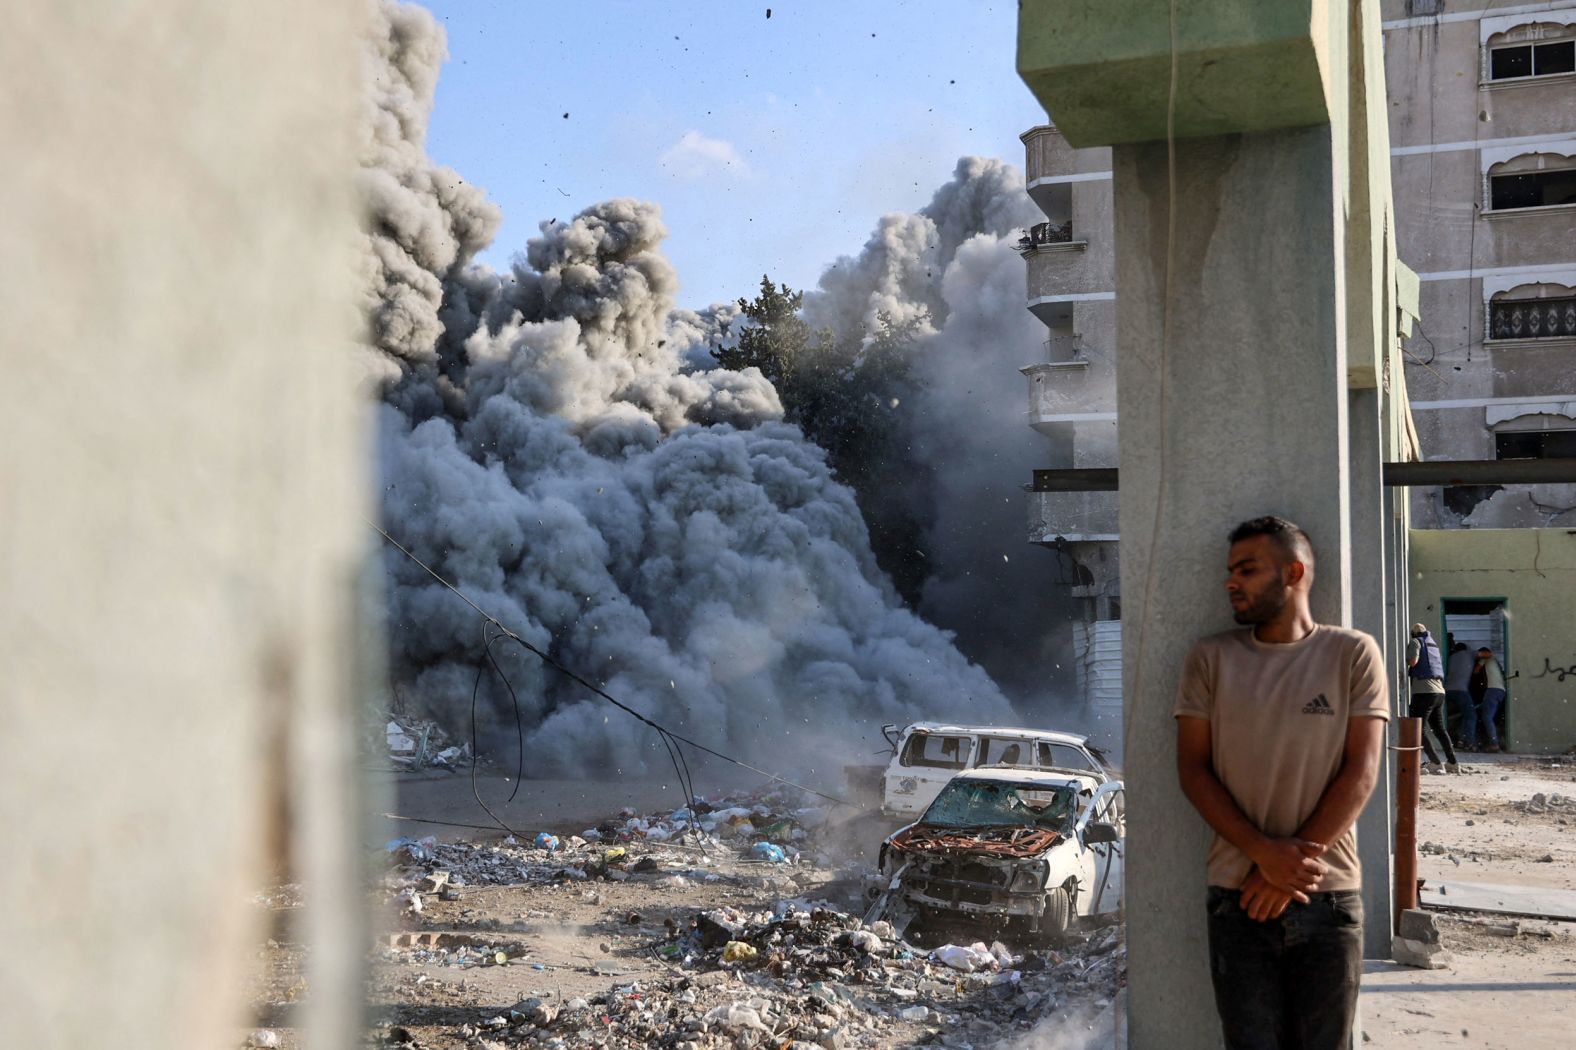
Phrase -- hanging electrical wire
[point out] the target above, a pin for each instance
(674, 742)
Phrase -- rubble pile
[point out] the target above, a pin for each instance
(1541, 803)
(772, 828)
(816, 978)
(780, 966)
(422, 744)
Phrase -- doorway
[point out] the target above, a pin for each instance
(1478, 622)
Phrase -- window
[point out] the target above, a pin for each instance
(996, 751)
(1423, 7)
(1059, 756)
(1535, 444)
(937, 751)
(1532, 318)
(1532, 60)
(1532, 189)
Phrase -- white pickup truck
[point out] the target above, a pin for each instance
(927, 754)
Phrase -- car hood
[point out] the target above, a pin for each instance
(993, 840)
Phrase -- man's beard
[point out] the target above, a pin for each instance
(1264, 607)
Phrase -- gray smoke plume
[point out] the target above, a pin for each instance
(951, 269)
(551, 443)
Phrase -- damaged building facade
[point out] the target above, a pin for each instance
(1072, 400)
(1483, 159)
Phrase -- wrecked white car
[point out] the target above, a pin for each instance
(1037, 848)
(925, 755)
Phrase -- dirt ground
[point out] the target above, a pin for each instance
(1510, 981)
(450, 975)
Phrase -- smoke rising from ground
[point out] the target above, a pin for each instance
(951, 268)
(550, 445)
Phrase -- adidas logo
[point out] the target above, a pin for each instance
(1319, 705)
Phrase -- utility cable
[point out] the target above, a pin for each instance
(481, 666)
(547, 659)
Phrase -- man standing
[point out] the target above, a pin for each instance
(1458, 693)
(1493, 696)
(1280, 731)
(1427, 671)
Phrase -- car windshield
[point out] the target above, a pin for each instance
(967, 803)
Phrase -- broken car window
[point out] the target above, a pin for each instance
(1006, 751)
(1059, 756)
(976, 803)
(936, 751)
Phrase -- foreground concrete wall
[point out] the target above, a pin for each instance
(1209, 470)
(180, 510)
(1534, 570)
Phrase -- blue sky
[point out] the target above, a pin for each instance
(772, 145)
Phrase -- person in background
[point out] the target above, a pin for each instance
(1493, 696)
(1458, 692)
(1426, 669)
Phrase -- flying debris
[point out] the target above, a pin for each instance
(563, 453)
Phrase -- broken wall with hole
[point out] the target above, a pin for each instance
(1533, 573)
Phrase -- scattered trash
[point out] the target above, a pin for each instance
(738, 951)
(769, 852)
(547, 842)
(263, 1037)
(785, 965)
(974, 957)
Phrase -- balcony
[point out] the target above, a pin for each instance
(1074, 517)
(1046, 235)
(1046, 154)
(1061, 390)
(1062, 273)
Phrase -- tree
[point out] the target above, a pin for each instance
(849, 393)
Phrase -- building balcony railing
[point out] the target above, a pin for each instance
(1046, 233)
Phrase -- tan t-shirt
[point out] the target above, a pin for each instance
(1277, 716)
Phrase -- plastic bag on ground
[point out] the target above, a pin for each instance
(769, 852)
(975, 957)
(738, 951)
(546, 841)
(734, 1016)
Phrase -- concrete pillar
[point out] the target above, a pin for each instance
(1245, 414)
(1371, 612)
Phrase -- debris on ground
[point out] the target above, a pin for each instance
(787, 962)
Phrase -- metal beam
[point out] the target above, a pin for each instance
(1427, 473)
(1482, 472)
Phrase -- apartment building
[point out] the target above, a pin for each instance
(1483, 144)
(1072, 398)
(1483, 160)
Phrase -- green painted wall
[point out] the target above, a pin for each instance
(1102, 68)
(1535, 571)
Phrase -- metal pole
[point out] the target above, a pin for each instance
(1408, 789)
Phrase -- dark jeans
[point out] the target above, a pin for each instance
(1430, 708)
(1288, 983)
(1466, 732)
(1492, 698)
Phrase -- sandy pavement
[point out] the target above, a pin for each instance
(1511, 982)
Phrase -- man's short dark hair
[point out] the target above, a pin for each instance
(1287, 535)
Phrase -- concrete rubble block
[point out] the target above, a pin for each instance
(1418, 942)
(434, 882)
(1419, 925)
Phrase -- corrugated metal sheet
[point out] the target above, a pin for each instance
(1479, 630)
(1105, 662)
(1097, 647)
